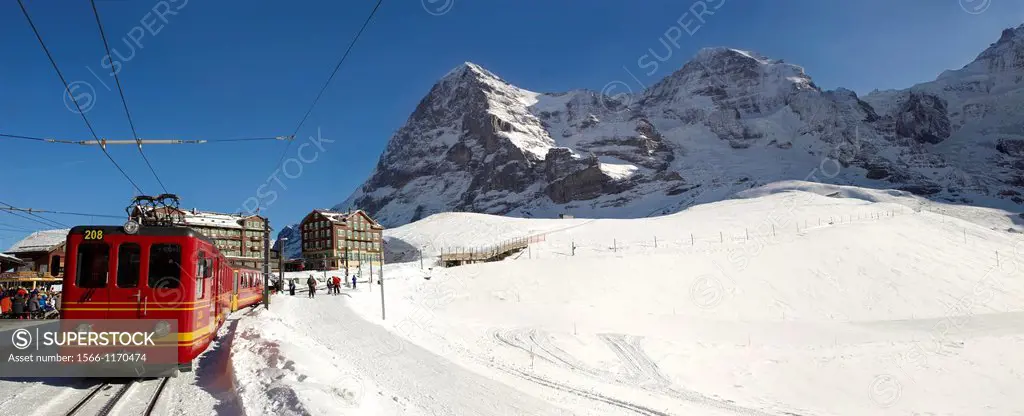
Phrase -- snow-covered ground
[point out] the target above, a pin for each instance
(881, 309)
(793, 299)
(796, 299)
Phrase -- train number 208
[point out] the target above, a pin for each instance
(93, 235)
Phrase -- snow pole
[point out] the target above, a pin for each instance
(381, 287)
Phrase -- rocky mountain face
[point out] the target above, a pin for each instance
(291, 238)
(726, 121)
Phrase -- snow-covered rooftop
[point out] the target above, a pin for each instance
(7, 257)
(212, 219)
(44, 240)
(338, 217)
(334, 216)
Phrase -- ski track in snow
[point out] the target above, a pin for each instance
(644, 372)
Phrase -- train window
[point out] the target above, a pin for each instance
(165, 266)
(129, 261)
(93, 262)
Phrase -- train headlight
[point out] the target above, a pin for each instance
(161, 329)
(83, 327)
(131, 227)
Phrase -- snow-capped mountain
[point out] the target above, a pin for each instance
(726, 121)
(292, 240)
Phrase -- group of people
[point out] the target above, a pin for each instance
(333, 285)
(21, 303)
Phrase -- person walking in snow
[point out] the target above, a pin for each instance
(353, 282)
(311, 282)
(337, 284)
(291, 287)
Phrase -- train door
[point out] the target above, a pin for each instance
(234, 291)
(217, 311)
(164, 290)
(88, 297)
(126, 293)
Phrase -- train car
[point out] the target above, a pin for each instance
(248, 288)
(152, 272)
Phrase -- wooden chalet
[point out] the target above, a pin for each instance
(36, 259)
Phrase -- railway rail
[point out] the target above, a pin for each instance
(103, 399)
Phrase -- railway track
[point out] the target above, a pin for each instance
(107, 396)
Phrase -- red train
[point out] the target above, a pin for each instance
(164, 272)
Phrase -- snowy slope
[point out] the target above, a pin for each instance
(744, 306)
(726, 121)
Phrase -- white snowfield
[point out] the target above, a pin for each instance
(782, 302)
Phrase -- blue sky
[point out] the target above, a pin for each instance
(230, 69)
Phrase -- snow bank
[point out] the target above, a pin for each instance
(279, 371)
(744, 306)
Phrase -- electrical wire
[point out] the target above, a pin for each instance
(59, 224)
(67, 89)
(331, 77)
(244, 139)
(124, 102)
(43, 211)
(48, 225)
(85, 142)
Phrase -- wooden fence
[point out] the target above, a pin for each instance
(487, 253)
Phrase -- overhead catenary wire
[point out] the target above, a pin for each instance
(67, 89)
(48, 225)
(57, 223)
(124, 103)
(144, 141)
(329, 78)
(37, 139)
(44, 211)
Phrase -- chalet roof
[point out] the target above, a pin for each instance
(10, 259)
(45, 240)
(342, 217)
(196, 217)
(210, 219)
